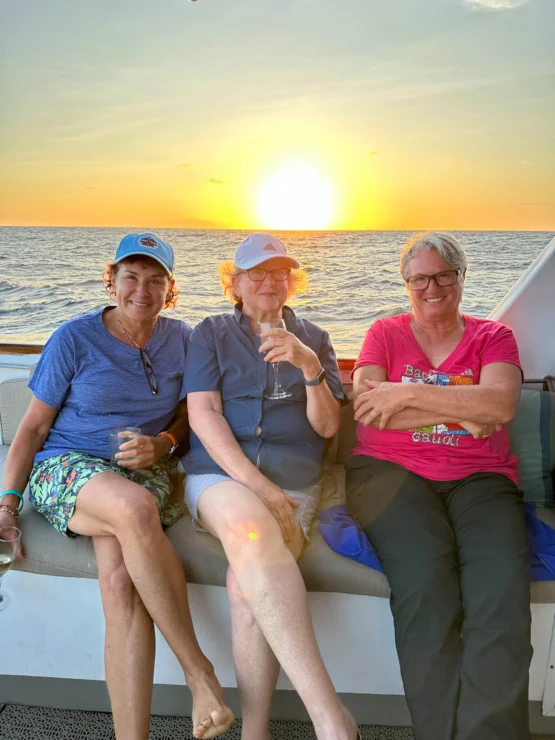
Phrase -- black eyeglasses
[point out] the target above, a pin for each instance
(258, 274)
(441, 279)
(149, 372)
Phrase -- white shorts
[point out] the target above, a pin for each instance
(308, 499)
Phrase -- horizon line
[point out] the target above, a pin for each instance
(283, 231)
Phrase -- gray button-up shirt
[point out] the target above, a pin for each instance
(276, 436)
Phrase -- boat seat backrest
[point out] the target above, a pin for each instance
(15, 398)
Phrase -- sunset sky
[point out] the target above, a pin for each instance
(353, 114)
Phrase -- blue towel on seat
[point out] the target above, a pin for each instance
(542, 546)
(346, 537)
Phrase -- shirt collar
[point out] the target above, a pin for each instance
(291, 323)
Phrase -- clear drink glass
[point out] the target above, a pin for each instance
(278, 392)
(9, 545)
(120, 436)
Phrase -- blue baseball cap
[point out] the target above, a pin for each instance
(148, 245)
(258, 248)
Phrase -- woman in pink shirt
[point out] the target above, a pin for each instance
(434, 484)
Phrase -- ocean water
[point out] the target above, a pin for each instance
(48, 275)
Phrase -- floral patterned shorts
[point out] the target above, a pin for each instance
(55, 484)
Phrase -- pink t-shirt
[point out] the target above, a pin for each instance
(444, 451)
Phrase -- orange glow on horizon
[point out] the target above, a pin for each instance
(308, 187)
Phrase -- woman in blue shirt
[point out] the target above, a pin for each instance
(120, 367)
(254, 472)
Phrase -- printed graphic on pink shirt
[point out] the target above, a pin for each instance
(446, 434)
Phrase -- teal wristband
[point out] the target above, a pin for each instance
(13, 492)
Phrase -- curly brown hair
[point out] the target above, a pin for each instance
(298, 281)
(111, 270)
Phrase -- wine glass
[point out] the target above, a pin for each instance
(278, 392)
(9, 545)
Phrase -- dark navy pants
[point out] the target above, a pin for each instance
(456, 557)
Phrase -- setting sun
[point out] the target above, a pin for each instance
(296, 197)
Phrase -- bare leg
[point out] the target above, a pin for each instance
(271, 583)
(256, 666)
(109, 504)
(129, 643)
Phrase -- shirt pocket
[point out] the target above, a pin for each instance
(242, 416)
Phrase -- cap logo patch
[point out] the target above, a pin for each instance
(269, 248)
(148, 241)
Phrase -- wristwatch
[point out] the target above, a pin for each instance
(173, 440)
(318, 379)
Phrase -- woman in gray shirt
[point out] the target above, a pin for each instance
(254, 473)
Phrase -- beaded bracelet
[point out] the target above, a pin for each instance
(10, 510)
(13, 492)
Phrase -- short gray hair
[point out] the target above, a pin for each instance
(446, 245)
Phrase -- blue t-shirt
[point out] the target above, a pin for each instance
(275, 435)
(98, 384)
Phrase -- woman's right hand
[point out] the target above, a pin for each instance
(281, 508)
(8, 520)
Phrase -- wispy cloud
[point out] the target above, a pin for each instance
(218, 182)
(395, 84)
(374, 153)
(184, 164)
(495, 4)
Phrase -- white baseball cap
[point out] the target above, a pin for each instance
(259, 248)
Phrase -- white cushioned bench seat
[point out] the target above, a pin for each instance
(48, 552)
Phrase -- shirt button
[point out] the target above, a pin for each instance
(258, 431)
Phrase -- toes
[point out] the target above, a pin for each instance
(199, 731)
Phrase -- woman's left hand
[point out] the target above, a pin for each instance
(382, 401)
(142, 452)
(282, 346)
(481, 431)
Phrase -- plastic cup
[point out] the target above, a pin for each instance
(120, 436)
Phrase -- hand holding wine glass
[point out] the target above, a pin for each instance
(280, 345)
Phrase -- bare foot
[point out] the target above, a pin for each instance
(211, 715)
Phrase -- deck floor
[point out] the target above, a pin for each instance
(37, 723)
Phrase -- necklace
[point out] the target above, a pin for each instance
(130, 338)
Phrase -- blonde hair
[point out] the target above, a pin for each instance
(298, 281)
(446, 245)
